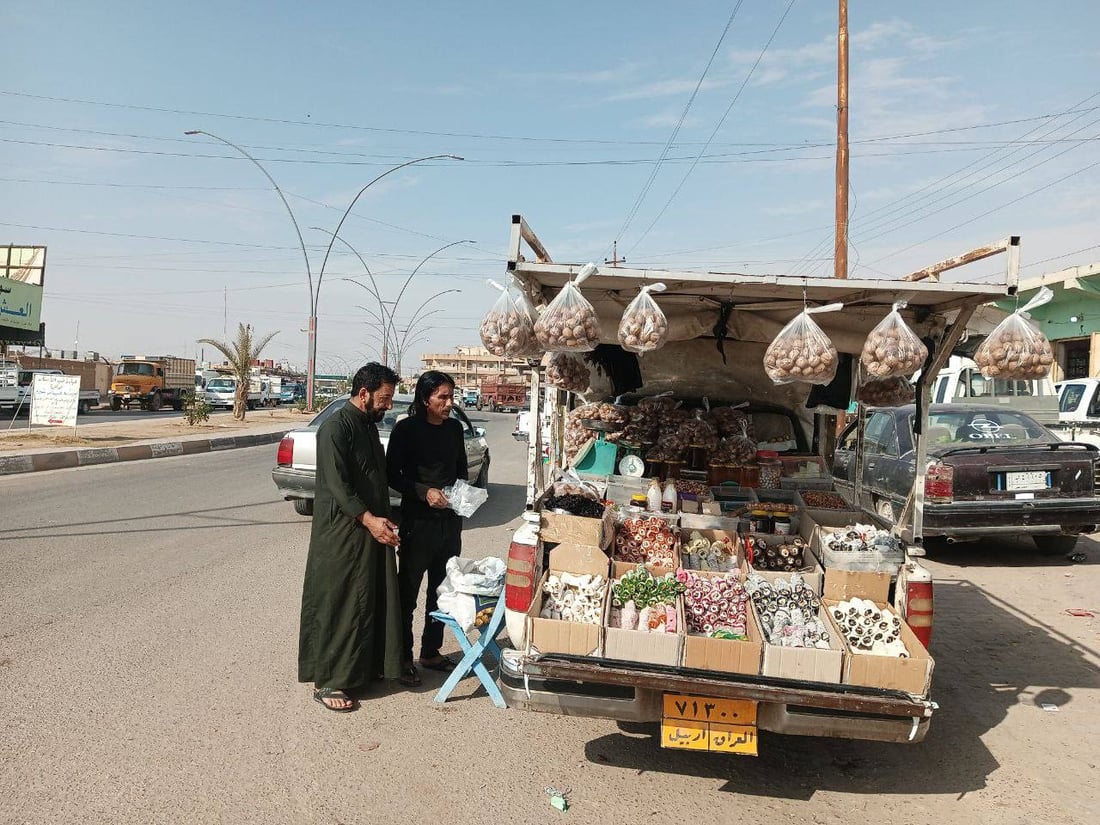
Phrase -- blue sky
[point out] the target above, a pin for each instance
(969, 122)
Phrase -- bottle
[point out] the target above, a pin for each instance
(653, 496)
(668, 500)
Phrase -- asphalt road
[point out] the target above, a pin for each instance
(148, 633)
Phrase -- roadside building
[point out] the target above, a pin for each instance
(471, 365)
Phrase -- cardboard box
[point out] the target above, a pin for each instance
(870, 560)
(912, 675)
(808, 664)
(566, 529)
(725, 655)
(554, 635)
(812, 519)
(841, 585)
(636, 645)
(812, 572)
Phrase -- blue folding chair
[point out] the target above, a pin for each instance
(473, 651)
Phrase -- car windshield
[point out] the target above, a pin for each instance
(135, 369)
(220, 384)
(401, 404)
(983, 428)
(1071, 397)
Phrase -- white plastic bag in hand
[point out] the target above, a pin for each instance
(464, 499)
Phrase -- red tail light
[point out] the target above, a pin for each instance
(286, 452)
(919, 604)
(939, 484)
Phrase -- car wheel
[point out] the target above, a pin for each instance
(83, 408)
(885, 509)
(303, 506)
(156, 402)
(116, 404)
(482, 479)
(1055, 545)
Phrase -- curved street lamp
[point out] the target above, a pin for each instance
(423, 261)
(314, 294)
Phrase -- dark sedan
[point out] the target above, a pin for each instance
(991, 471)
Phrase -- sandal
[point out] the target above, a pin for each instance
(440, 663)
(322, 694)
(409, 677)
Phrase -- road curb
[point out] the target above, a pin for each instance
(67, 459)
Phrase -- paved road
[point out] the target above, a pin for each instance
(104, 415)
(148, 625)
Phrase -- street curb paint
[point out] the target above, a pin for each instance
(66, 459)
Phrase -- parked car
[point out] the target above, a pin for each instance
(992, 471)
(296, 468)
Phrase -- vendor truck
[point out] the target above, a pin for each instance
(152, 382)
(719, 326)
(503, 394)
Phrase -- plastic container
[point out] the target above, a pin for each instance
(718, 474)
(673, 469)
(771, 469)
(750, 475)
(781, 524)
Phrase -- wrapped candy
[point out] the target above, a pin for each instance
(643, 327)
(700, 553)
(647, 602)
(892, 350)
(788, 611)
(802, 352)
(1016, 349)
(574, 598)
(646, 541)
(715, 605)
(508, 330)
(569, 323)
(869, 629)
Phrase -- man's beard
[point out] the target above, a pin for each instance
(375, 415)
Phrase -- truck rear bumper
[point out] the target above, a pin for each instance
(557, 685)
(1027, 517)
(294, 483)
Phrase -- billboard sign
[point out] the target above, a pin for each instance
(54, 399)
(22, 272)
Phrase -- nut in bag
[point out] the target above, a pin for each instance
(569, 323)
(567, 373)
(1016, 348)
(644, 327)
(802, 352)
(892, 349)
(508, 329)
(892, 392)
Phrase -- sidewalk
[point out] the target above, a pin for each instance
(102, 441)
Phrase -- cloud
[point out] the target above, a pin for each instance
(667, 88)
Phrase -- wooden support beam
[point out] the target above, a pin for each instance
(933, 272)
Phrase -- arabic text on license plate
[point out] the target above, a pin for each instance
(702, 723)
(1032, 480)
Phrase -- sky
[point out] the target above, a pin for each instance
(693, 141)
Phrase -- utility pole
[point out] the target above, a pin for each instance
(614, 260)
(840, 254)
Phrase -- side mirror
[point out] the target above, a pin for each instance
(479, 432)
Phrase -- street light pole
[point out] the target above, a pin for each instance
(315, 294)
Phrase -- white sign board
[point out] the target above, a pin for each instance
(54, 399)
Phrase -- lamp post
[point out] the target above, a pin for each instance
(314, 294)
(423, 261)
(418, 318)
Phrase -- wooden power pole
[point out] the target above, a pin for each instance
(840, 255)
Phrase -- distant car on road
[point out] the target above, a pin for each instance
(295, 474)
(992, 471)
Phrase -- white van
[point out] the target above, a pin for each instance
(961, 382)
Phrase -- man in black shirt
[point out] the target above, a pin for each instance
(426, 453)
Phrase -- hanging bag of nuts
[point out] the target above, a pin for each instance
(1016, 348)
(569, 323)
(802, 352)
(567, 373)
(644, 327)
(893, 392)
(892, 350)
(508, 329)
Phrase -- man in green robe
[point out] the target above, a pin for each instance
(351, 610)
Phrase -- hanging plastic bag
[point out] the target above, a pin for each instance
(893, 392)
(1016, 348)
(567, 373)
(569, 323)
(507, 330)
(464, 499)
(892, 349)
(802, 352)
(644, 327)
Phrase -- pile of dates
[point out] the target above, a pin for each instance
(576, 504)
(819, 500)
(716, 605)
(648, 541)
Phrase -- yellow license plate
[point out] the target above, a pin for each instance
(705, 724)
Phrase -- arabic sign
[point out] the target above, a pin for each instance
(54, 399)
(700, 723)
(22, 272)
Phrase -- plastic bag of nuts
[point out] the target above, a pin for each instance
(802, 352)
(698, 432)
(729, 422)
(893, 392)
(892, 349)
(1016, 348)
(569, 323)
(508, 329)
(567, 373)
(644, 327)
(736, 450)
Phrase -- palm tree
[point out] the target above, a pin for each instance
(240, 354)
